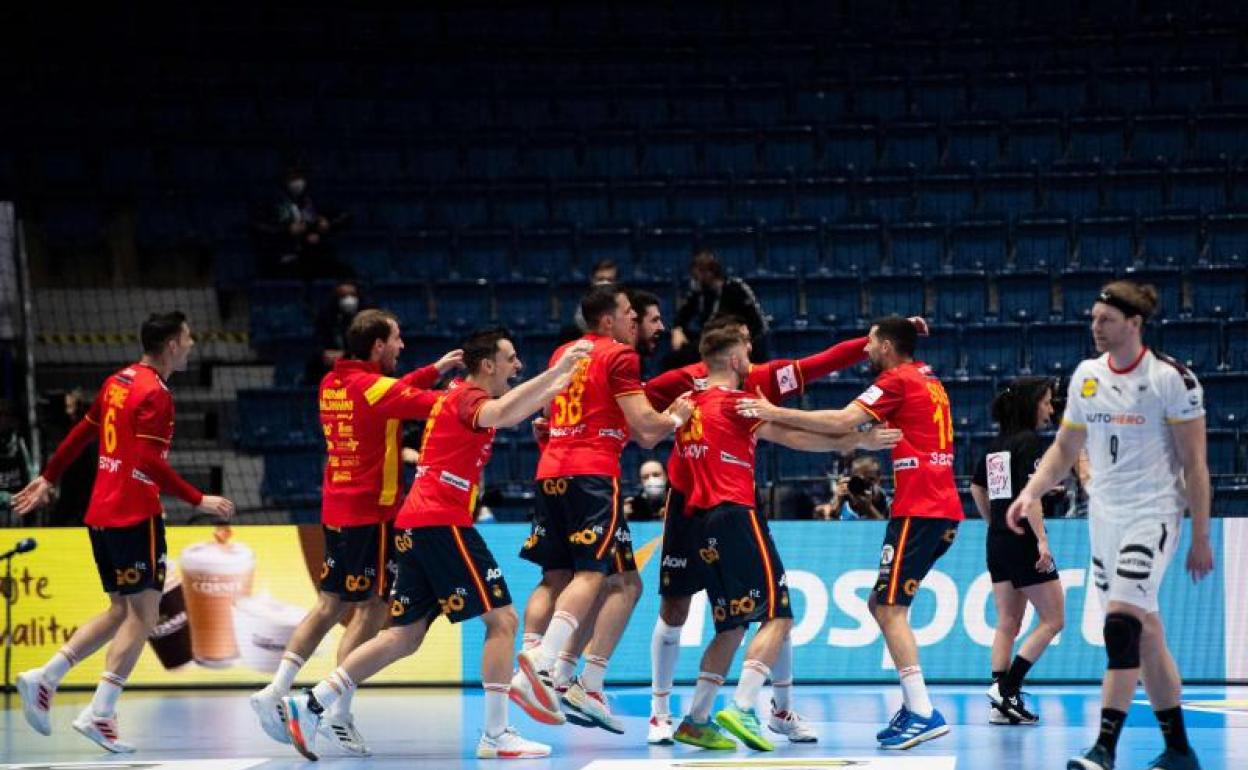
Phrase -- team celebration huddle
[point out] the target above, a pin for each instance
(396, 562)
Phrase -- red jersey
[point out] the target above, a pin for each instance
(453, 451)
(588, 429)
(133, 408)
(911, 398)
(717, 447)
(361, 414)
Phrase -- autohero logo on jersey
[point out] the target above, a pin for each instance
(1116, 418)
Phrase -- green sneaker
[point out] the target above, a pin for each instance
(743, 723)
(704, 735)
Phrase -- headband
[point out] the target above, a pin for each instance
(1127, 308)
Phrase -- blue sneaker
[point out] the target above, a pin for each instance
(894, 724)
(914, 730)
(1095, 758)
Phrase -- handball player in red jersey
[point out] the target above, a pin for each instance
(132, 418)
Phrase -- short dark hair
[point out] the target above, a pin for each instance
(641, 299)
(1014, 408)
(366, 328)
(481, 345)
(723, 321)
(898, 331)
(599, 301)
(606, 263)
(706, 260)
(716, 341)
(158, 329)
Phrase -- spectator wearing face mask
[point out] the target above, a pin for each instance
(332, 321)
(296, 235)
(651, 503)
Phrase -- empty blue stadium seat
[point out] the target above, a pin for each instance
(1125, 88)
(792, 148)
(978, 244)
(523, 304)
(1196, 343)
(946, 195)
(613, 242)
(769, 199)
(854, 245)
(1009, 192)
(961, 297)
(1222, 134)
(551, 154)
(793, 247)
(1159, 136)
(546, 251)
(584, 203)
(888, 193)
(1184, 87)
(1201, 186)
(1168, 281)
(777, 295)
(460, 305)
(423, 254)
(433, 159)
(670, 152)
(798, 341)
(292, 478)
(1072, 189)
(916, 142)
(1219, 292)
(821, 102)
(731, 151)
(940, 96)
(700, 104)
(1135, 187)
(1225, 455)
(520, 204)
(759, 103)
(941, 350)
(1236, 344)
(1079, 288)
(1057, 347)
(1003, 93)
(407, 300)
(1170, 238)
(833, 299)
(832, 394)
(701, 199)
(667, 247)
(369, 257)
(823, 197)
(850, 144)
(900, 294)
(277, 418)
(422, 347)
(642, 104)
(1041, 243)
(736, 245)
(611, 153)
(536, 348)
(1060, 90)
(1024, 296)
(917, 246)
(462, 204)
(1106, 240)
(492, 155)
(1228, 237)
(484, 253)
(1034, 140)
(992, 348)
(974, 141)
(278, 312)
(639, 200)
(1097, 138)
(882, 97)
(1226, 398)
(970, 400)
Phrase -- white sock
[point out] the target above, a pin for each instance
(104, 702)
(782, 677)
(704, 696)
(495, 708)
(331, 688)
(565, 667)
(342, 706)
(287, 670)
(664, 649)
(531, 641)
(59, 665)
(914, 691)
(754, 674)
(594, 673)
(560, 630)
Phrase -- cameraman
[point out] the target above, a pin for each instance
(858, 495)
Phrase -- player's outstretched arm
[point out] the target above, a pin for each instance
(806, 441)
(1189, 444)
(529, 397)
(648, 426)
(1058, 459)
(33, 496)
(833, 421)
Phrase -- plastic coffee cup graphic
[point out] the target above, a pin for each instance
(214, 574)
(263, 627)
(171, 638)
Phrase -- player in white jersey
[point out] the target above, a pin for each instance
(1142, 417)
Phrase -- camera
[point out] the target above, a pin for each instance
(858, 486)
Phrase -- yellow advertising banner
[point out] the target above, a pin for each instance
(232, 600)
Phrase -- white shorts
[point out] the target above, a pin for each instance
(1129, 560)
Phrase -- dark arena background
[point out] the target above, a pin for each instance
(272, 170)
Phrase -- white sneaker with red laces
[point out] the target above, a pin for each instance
(36, 694)
(661, 732)
(521, 694)
(791, 725)
(509, 745)
(593, 706)
(102, 730)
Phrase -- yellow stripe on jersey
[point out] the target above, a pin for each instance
(378, 389)
(390, 465)
(1073, 425)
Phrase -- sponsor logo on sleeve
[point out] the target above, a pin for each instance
(871, 395)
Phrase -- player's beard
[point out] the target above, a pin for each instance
(876, 367)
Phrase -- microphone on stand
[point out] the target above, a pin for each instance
(23, 546)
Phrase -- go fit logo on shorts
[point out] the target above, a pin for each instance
(744, 606)
(554, 486)
(454, 602)
(585, 536)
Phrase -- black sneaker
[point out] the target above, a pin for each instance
(1095, 758)
(1014, 707)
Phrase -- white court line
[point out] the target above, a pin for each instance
(780, 763)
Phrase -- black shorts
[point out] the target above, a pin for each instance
(578, 525)
(1013, 558)
(358, 562)
(445, 571)
(911, 546)
(745, 579)
(130, 559)
(681, 572)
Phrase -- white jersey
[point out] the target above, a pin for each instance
(1127, 414)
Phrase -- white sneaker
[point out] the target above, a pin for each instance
(101, 730)
(341, 729)
(542, 684)
(593, 706)
(303, 715)
(791, 725)
(36, 694)
(510, 745)
(998, 717)
(268, 707)
(661, 731)
(521, 694)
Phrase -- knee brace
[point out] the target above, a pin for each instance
(1122, 640)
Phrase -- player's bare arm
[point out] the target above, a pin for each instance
(648, 426)
(832, 421)
(523, 400)
(1056, 463)
(1189, 444)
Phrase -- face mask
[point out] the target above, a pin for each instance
(296, 187)
(349, 303)
(654, 486)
